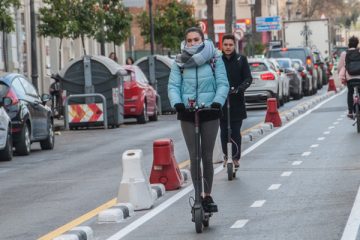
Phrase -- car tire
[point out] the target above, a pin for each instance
(49, 142)
(143, 118)
(7, 153)
(23, 147)
(154, 117)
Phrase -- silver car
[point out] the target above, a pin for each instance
(266, 84)
(6, 147)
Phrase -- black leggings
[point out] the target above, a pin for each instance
(208, 132)
(350, 99)
(235, 135)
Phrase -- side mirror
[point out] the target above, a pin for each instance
(5, 102)
(45, 98)
(281, 69)
(300, 69)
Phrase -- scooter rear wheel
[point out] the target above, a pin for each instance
(198, 217)
(230, 171)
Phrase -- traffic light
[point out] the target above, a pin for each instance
(248, 25)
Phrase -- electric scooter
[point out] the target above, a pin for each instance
(199, 216)
(231, 170)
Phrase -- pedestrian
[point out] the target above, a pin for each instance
(129, 61)
(239, 76)
(194, 78)
(344, 76)
(112, 55)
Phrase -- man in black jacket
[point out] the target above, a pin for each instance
(239, 76)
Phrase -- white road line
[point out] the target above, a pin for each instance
(152, 213)
(274, 187)
(240, 223)
(352, 225)
(339, 119)
(335, 123)
(258, 204)
(305, 154)
(286, 174)
(326, 132)
(331, 127)
(314, 146)
(320, 138)
(295, 163)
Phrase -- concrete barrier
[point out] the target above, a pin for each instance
(116, 214)
(77, 233)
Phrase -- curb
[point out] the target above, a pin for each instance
(116, 214)
(77, 233)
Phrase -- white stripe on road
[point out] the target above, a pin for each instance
(305, 154)
(258, 204)
(327, 133)
(152, 213)
(286, 174)
(321, 138)
(352, 225)
(274, 187)
(314, 146)
(339, 119)
(335, 123)
(240, 223)
(331, 127)
(295, 163)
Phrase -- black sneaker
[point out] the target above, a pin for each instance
(209, 205)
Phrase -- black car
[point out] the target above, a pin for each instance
(31, 119)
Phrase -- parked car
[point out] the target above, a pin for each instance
(305, 75)
(295, 79)
(31, 119)
(302, 53)
(265, 84)
(322, 66)
(6, 147)
(140, 96)
(284, 81)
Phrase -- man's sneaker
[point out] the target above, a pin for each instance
(350, 115)
(209, 205)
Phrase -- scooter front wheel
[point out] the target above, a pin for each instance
(198, 217)
(230, 171)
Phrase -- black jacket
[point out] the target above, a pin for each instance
(239, 76)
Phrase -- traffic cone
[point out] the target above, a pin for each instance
(272, 114)
(331, 85)
(165, 169)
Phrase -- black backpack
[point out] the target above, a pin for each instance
(352, 62)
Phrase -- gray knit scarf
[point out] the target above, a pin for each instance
(195, 55)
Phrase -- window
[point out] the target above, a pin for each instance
(258, 67)
(29, 88)
(140, 77)
(3, 90)
(18, 88)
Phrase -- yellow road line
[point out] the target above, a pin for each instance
(78, 221)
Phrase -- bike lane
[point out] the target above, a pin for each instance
(299, 184)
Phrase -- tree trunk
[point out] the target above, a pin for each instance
(4, 49)
(257, 36)
(228, 16)
(83, 44)
(60, 53)
(210, 19)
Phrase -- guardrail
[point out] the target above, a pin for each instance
(85, 96)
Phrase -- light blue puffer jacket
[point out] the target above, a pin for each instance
(198, 83)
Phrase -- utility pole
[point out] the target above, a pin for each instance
(152, 76)
(34, 66)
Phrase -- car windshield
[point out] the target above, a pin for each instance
(288, 53)
(284, 63)
(3, 90)
(258, 67)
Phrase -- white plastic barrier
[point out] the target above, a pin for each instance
(134, 186)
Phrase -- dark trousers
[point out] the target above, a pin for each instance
(235, 136)
(350, 99)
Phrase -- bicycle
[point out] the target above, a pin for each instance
(356, 84)
(199, 216)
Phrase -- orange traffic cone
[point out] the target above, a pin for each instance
(272, 114)
(331, 86)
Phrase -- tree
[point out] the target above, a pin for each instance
(6, 24)
(54, 21)
(114, 22)
(170, 23)
(210, 19)
(315, 8)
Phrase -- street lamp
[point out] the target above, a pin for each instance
(34, 66)
(288, 7)
(253, 29)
